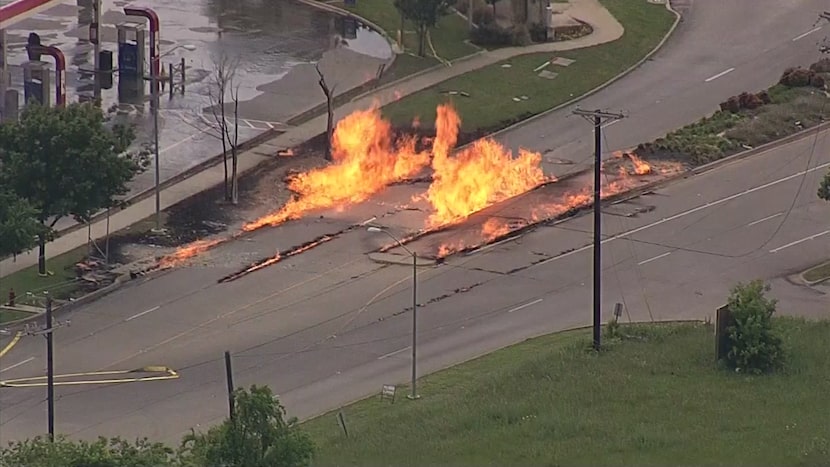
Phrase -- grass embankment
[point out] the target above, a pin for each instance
(491, 90)
(28, 286)
(655, 398)
(788, 110)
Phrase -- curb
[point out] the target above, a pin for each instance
(345, 12)
(604, 85)
(815, 282)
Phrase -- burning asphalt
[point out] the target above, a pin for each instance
(475, 195)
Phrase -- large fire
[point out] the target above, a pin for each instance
(366, 158)
(478, 176)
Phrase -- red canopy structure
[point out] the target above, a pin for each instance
(19, 10)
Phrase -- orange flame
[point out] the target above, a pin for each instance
(477, 176)
(366, 158)
(494, 228)
(187, 251)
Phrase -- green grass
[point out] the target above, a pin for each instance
(725, 133)
(491, 89)
(658, 399)
(818, 273)
(448, 37)
(60, 284)
(12, 315)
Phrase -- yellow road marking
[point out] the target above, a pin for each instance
(38, 381)
(11, 344)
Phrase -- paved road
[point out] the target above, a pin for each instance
(719, 49)
(329, 325)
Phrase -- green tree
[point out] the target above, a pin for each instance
(424, 14)
(115, 452)
(824, 188)
(755, 347)
(66, 161)
(18, 226)
(257, 436)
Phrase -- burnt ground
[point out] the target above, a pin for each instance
(261, 191)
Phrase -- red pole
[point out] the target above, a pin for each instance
(60, 72)
(153, 18)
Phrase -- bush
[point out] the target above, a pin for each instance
(799, 77)
(483, 15)
(521, 36)
(490, 35)
(755, 347)
(538, 32)
(817, 81)
(821, 66)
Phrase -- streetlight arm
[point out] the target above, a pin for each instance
(400, 243)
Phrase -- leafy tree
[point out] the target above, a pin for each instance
(824, 188)
(257, 436)
(425, 14)
(115, 452)
(65, 161)
(755, 347)
(18, 226)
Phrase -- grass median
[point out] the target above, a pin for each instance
(492, 89)
(29, 286)
(656, 397)
(818, 273)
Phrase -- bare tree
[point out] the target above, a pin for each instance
(223, 93)
(329, 92)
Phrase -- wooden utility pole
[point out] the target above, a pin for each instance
(50, 364)
(229, 378)
(598, 118)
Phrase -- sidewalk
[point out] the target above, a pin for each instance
(606, 29)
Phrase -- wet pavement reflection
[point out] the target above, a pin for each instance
(274, 45)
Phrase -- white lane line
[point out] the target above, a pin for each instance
(689, 212)
(645, 261)
(269, 125)
(722, 73)
(765, 219)
(802, 36)
(805, 239)
(392, 354)
(204, 130)
(139, 315)
(525, 305)
(17, 364)
(612, 122)
(368, 221)
(249, 123)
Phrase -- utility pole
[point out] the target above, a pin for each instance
(598, 118)
(50, 364)
(229, 378)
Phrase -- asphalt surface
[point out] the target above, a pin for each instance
(720, 49)
(330, 326)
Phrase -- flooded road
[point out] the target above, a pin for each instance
(272, 44)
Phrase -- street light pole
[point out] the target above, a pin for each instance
(155, 92)
(414, 394)
(413, 384)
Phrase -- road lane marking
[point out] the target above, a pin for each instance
(17, 364)
(612, 122)
(392, 354)
(11, 344)
(165, 373)
(722, 73)
(653, 259)
(805, 239)
(765, 219)
(690, 211)
(802, 36)
(139, 315)
(520, 307)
